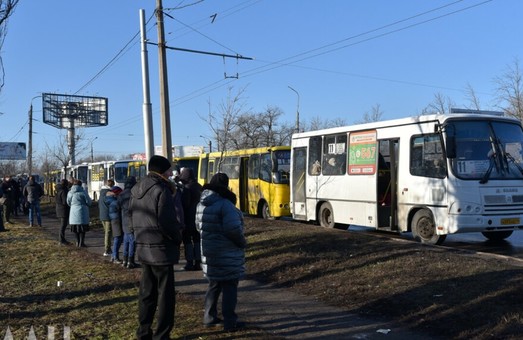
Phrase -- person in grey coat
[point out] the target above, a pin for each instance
(79, 201)
(158, 239)
(223, 244)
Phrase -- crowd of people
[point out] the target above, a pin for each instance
(146, 222)
(20, 196)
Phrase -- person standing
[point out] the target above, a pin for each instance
(111, 200)
(191, 237)
(7, 207)
(62, 208)
(79, 201)
(127, 226)
(223, 245)
(158, 239)
(103, 210)
(32, 193)
(2, 228)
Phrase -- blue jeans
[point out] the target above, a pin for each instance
(117, 242)
(128, 245)
(34, 207)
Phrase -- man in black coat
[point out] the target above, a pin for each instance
(158, 238)
(62, 208)
(191, 237)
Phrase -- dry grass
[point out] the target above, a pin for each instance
(440, 292)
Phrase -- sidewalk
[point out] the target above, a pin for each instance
(277, 311)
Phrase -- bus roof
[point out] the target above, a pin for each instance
(437, 118)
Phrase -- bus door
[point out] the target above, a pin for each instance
(243, 185)
(299, 170)
(386, 184)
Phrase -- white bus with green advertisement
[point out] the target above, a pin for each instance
(431, 175)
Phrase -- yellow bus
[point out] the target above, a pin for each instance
(259, 177)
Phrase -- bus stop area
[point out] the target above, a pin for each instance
(278, 311)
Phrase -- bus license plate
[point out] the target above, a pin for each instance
(506, 221)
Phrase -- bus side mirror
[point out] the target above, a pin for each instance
(451, 147)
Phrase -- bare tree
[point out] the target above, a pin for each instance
(224, 121)
(375, 115)
(472, 98)
(441, 104)
(318, 123)
(510, 90)
(7, 8)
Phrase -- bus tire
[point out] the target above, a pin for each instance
(326, 216)
(265, 212)
(424, 228)
(497, 235)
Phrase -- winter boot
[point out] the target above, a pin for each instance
(131, 263)
(197, 265)
(125, 261)
(82, 240)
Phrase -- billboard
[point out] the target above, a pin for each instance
(12, 151)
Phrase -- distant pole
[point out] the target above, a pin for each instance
(147, 110)
(297, 111)
(164, 88)
(30, 142)
(92, 153)
(30, 139)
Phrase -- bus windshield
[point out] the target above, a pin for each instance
(487, 150)
(120, 172)
(282, 161)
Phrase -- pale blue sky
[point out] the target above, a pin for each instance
(342, 56)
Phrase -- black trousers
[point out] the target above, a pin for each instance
(156, 291)
(229, 289)
(63, 225)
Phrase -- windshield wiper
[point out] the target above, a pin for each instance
(486, 176)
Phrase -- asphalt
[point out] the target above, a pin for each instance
(278, 311)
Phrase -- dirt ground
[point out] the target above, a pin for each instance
(437, 290)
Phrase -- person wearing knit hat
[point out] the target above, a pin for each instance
(159, 164)
(111, 200)
(157, 233)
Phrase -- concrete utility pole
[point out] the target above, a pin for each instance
(147, 110)
(164, 86)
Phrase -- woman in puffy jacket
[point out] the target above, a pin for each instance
(79, 201)
(223, 244)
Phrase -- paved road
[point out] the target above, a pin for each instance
(277, 311)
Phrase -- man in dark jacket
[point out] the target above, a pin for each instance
(32, 193)
(158, 238)
(191, 237)
(62, 208)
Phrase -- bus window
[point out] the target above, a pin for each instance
(231, 167)
(315, 156)
(204, 164)
(427, 157)
(335, 155)
(254, 166)
(265, 167)
(282, 166)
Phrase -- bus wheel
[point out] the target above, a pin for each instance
(326, 216)
(264, 211)
(497, 235)
(424, 228)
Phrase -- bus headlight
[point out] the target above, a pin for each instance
(466, 208)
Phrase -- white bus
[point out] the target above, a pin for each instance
(100, 172)
(430, 175)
